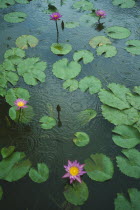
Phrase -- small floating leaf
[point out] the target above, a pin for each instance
(6, 3)
(83, 5)
(90, 83)
(64, 70)
(126, 136)
(133, 46)
(7, 151)
(47, 122)
(77, 193)
(1, 192)
(86, 115)
(108, 51)
(82, 139)
(15, 17)
(99, 41)
(124, 3)
(121, 202)
(86, 55)
(61, 48)
(118, 32)
(26, 40)
(71, 24)
(99, 167)
(40, 175)
(71, 84)
(130, 165)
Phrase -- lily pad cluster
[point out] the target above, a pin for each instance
(124, 3)
(7, 3)
(83, 5)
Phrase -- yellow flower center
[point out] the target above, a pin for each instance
(55, 15)
(74, 171)
(20, 104)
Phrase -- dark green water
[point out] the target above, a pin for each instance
(55, 147)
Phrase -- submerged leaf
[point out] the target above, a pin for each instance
(99, 41)
(133, 46)
(70, 84)
(99, 167)
(90, 83)
(124, 3)
(89, 19)
(86, 115)
(61, 48)
(85, 55)
(15, 17)
(83, 5)
(77, 193)
(118, 32)
(82, 139)
(107, 50)
(7, 151)
(64, 70)
(47, 122)
(40, 175)
(26, 40)
(71, 24)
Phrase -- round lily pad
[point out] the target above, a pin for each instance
(40, 175)
(70, 84)
(124, 3)
(15, 17)
(47, 122)
(107, 50)
(133, 46)
(118, 32)
(26, 40)
(99, 41)
(82, 139)
(7, 151)
(61, 48)
(85, 55)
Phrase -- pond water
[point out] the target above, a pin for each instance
(55, 146)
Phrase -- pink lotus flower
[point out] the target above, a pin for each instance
(74, 171)
(20, 103)
(55, 16)
(100, 13)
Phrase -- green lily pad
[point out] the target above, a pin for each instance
(40, 175)
(124, 3)
(131, 203)
(118, 32)
(6, 76)
(71, 84)
(83, 5)
(77, 193)
(7, 151)
(2, 91)
(7, 3)
(82, 139)
(15, 17)
(120, 117)
(64, 70)
(115, 97)
(13, 55)
(24, 115)
(99, 167)
(133, 46)
(129, 165)
(71, 24)
(90, 83)
(99, 41)
(86, 116)
(14, 167)
(89, 20)
(32, 70)
(1, 192)
(85, 55)
(134, 100)
(61, 48)
(126, 136)
(26, 40)
(14, 93)
(51, 9)
(47, 122)
(107, 50)
(12, 113)
(137, 89)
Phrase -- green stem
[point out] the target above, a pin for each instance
(57, 31)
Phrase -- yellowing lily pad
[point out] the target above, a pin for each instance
(61, 48)
(99, 41)
(26, 40)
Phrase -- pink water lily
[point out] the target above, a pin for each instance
(20, 103)
(74, 171)
(100, 13)
(55, 16)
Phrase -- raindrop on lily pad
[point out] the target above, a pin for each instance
(15, 17)
(81, 140)
(61, 48)
(47, 122)
(26, 40)
(41, 174)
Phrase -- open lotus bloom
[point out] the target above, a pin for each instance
(20, 103)
(100, 13)
(74, 171)
(55, 16)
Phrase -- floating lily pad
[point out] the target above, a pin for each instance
(41, 174)
(7, 3)
(120, 117)
(61, 48)
(89, 20)
(130, 165)
(126, 136)
(71, 84)
(64, 70)
(32, 70)
(77, 193)
(26, 40)
(12, 113)
(83, 5)
(6, 76)
(134, 100)
(2, 91)
(99, 167)
(90, 83)
(99, 41)
(107, 50)
(71, 24)
(14, 167)
(47, 122)
(131, 203)
(51, 9)
(133, 46)
(24, 115)
(15, 17)
(86, 115)
(85, 55)
(7, 151)
(137, 89)
(14, 55)
(115, 97)
(1, 192)
(118, 32)
(82, 139)
(14, 93)
(124, 3)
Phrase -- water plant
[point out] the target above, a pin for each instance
(56, 16)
